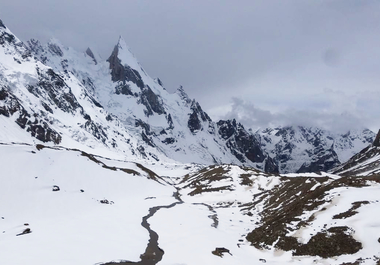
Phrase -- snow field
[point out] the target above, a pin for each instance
(70, 226)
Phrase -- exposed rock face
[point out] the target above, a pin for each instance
(183, 95)
(53, 87)
(10, 104)
(123, 73)
(376, 142)
(240, 140)
(151, 101)
(38, 128)
(323, 160)
(124, 89)
(91, 54)
(5, 37)
(196, 117)
(158, 80)
(194, 123)
(55, 49)
(244, 145)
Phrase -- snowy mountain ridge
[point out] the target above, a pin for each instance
(119, 91)
(36, 101)
(302, 149)
(122, 109)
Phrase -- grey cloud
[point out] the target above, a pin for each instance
(253, 117)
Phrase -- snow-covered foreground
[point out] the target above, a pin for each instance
(218, 207)
(217, 213)
(70, 226)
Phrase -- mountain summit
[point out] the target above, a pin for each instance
(59, 95)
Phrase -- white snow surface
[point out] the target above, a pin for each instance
(73, 227)
(70, 226)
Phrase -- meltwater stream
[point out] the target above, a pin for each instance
(153, 253)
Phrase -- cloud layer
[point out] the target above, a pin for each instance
(335, 111)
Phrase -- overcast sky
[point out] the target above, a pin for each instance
(263, 62)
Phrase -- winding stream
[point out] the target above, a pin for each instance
(153, 253)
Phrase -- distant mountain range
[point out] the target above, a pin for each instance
(54, 94)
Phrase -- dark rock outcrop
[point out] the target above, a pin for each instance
(197, 116)
(37, 127)
(151, 101)
(91, 54)
(243, 145)
(324, 160)
(376, 142)
(123, 73)
(55, 49)
(52, 87)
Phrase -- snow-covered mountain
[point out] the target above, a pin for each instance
(56, 94)
(364, 163)
(116, 102)
(39, 104)
(302, 149)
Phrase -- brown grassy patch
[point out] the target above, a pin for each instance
(351, 211)
(285, 203)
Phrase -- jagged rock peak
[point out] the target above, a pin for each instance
(2, 24)
(158, 81)
(124, 66)
(377, 140)
(55, 47)
(91, 54)
(183, 95)
(125, 54)
(34, 43)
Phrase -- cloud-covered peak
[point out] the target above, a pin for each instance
(255, 117)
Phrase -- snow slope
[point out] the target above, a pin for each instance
(218, 207)
(70, 226)
(237, 203)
